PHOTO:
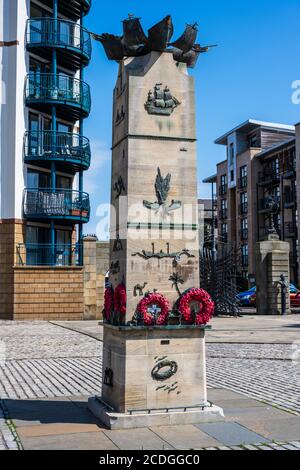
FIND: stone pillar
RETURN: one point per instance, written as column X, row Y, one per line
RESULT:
column 272, row 260
column 96, row 265
column 153, row 354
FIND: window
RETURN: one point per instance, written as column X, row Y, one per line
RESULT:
column 223, row 180
column 223, row 204
column 253, row 141
column 243, row 171
column 244, row 198
column 244, row 224
column 37, row 179
column 231, row 175
column 231, row 154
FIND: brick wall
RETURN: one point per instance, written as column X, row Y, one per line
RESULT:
column 96, row 264
column 48, row 293
column 11, row 233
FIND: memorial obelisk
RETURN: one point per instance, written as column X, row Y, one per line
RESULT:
column 155, row 312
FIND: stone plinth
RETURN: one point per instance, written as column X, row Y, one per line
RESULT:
column 272, row 260
column 139, row 395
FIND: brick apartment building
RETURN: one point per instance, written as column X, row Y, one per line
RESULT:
column 262, row 159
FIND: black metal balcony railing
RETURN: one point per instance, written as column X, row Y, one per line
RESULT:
column 48, row 146
column 223, row 189
column 289, row 199
column 245, row 261
column 224, row 237
column 243, row 208
column 290, row 229
column 71, row 96
column 268, row 176
column 223, row 214
column 243, row 182
column 56, row 204
column 70, row 8
column 72, row 41
column 30, row 254
column 244, row 234
column 264, row 203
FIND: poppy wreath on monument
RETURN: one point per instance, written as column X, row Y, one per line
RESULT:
column 154, row 309
column 196, row 306
column 120, row 299
column 108, row 303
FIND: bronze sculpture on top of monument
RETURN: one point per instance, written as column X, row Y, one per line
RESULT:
column 134, row 42
column 154, row 342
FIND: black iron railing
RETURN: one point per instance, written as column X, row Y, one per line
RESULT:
column 49, row 32
column 243, row 208
column 57, row 146
column 244, row 234
column 58, row 203
column 37, row 254
column 46, row 88
column 243, row 182
column 223, row 189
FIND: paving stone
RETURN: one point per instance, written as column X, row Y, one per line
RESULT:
column 82, row 441
column 278, row 430
column 57, row 429
column 184, row 437
column 137, row 439
column 231, row 433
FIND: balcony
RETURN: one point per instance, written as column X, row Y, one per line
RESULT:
column 290, row 230
column 264, row 204
column 289, row 169
column 71, row 96
column 289, row 199
column 60, row 204
column 60, row 147
column 268, row 177
column 72, row 42
column 244, row 234
column 70, row 8
column 222, row 189
column 224, row 237
column 243, row 208
column 47, row 255
column 223, row 214
column 243, row 182
column 245, row 261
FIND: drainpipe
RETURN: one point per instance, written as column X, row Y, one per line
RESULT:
column 214, row 251
column 54, row 125
column 80, row 178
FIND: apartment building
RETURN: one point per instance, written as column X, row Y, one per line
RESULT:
column 261, row 160
column 44, row 154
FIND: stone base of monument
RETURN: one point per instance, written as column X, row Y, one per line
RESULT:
column 154, row 376
column 142, row 419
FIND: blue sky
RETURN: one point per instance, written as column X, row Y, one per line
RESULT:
column 249, row 75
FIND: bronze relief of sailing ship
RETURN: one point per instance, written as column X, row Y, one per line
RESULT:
column 160, row 101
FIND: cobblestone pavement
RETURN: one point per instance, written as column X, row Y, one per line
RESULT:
column 43, row 360
column 294, row 445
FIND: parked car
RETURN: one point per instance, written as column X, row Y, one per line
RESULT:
column 244, row 297
column 294, row 297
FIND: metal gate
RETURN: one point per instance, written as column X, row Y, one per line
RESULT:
column 218, row 276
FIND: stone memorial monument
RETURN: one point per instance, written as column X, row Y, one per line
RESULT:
column 155, row 313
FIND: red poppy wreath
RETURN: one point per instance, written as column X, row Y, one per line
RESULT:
column 205, row 304
column 160, row 302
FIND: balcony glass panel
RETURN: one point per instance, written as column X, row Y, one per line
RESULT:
column 37, row 254
column 49, row 88
column 48, row 32
column 57, row 146
column 59, row 204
